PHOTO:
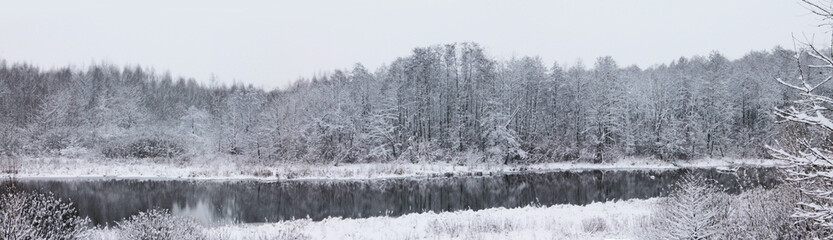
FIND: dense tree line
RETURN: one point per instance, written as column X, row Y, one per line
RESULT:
column 442, row 103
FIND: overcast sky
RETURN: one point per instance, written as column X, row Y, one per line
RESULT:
column 271, row 44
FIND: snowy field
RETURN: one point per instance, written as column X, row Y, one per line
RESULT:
column 221, row 168
column 610, row 220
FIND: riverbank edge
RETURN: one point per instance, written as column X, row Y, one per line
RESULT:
column 57, row 168
column 601, row 220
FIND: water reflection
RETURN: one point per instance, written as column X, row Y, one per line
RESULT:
column 107, row 201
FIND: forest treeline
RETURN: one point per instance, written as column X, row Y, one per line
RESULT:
column 442, row 103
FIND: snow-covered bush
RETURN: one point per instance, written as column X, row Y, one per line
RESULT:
column 75, row 152
column 159, row 224
column 695, row 209
column 469, row 229
column 767, row 214
column 25, row 215
column 143, row 148
column 500, row 141
column 53, row 141
column 593, row 225
column 425, row 151
column 698, row 210
column 329, row 140
column 287, row 230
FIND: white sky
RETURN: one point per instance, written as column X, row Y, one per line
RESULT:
column 271, row 44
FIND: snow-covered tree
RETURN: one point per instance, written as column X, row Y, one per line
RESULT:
column 695, row 209
column 713, row 105
column 577, row 99
column 242, row 108
column 606, row 112
column 194, row 125
column 811, row 158
column 500, row 141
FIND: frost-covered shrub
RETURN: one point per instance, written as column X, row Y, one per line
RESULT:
column 425, row 151
column 159, row 224
column 74, row 152
column 550, row 150
column 288, row 230
column 754, row 214
column 593, row 225
column 454, row 228
column 143, row 148
column 493, row 225
column 114, row 149
column 440, row 227
column 695, row 209
column 53, row 141
column 768, row 214
column 467, row 157
column 25, row 215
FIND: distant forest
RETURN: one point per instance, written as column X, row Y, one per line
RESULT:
column 442, row 103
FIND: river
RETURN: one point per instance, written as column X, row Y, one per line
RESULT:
column 108, row 201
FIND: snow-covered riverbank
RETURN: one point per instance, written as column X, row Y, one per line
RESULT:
column 234, row 169
column 618, row 220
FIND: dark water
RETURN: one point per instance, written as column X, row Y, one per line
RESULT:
column 107, row 201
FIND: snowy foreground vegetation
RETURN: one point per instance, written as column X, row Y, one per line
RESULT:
column 696, row 209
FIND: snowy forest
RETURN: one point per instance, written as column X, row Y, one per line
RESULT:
column 448, row 103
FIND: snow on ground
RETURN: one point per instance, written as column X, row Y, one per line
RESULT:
column 609, row 220
column 219, row 168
